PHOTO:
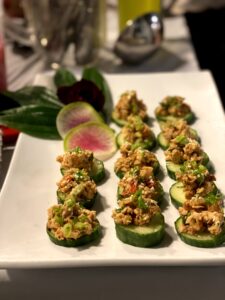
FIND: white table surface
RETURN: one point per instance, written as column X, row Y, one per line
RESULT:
column 115, row 282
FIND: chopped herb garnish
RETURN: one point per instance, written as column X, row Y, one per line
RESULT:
column 83, row 218
column 135, row 170
column 70, row 203
column 79, row 225
column 212, row 197
column 59, row 220
column 181, row 139
column 67, row 229
column 134, row 108
column 80, row 176
column 140, row 201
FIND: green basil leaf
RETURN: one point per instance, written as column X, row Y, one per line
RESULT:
column 34, row 95
column 64, row 77
column 35, row 120
column 95, row 76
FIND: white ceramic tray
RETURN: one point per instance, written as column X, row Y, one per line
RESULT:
column 30, row 187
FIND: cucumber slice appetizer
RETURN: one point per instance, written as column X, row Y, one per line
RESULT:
column 83, row 240
column 97, row 172
column 164, row 143
column 177, row 194
column 203, row 240
column 173, row 168
column 87, row 203
column 145, row 144
column 73, row 114
column 142, row 236
column 96, row 137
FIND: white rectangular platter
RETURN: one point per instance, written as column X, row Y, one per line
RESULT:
column 30, row 187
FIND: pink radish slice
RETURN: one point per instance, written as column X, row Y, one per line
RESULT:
column 75, row 114
column 93, row 136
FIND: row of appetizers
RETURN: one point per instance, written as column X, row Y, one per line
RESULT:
column 70, row 222
column 195, row 194
column 138, row 217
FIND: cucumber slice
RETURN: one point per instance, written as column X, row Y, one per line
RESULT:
column 87, row 203
column 120, row 174
column 83, row 240
column 177, row 194
column 190, row 117
column 145, row 144
column 119, row 122
column 97, row 171
column 164, row 143
column 173, row 168
column 203, row 240
column 122, row 122
column 96, row 137
column 142, row 236
column 73, row 114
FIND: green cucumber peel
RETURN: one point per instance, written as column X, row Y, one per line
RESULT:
column 142, row 236
column 83, row 240
column 202, row 240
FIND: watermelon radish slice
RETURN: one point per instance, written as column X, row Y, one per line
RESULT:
column 75, row 114
column 96, row 137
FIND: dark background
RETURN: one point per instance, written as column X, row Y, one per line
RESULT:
column 207, row 30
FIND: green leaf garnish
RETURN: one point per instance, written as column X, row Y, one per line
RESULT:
column 64, row 77
column 35, row 120
column 96, row 77
column 38, row 95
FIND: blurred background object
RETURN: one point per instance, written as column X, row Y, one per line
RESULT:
column 13, row 8
column 140, row 30
column 55, row 25
column 3, row 83
column 7, row 135
column 206, row 22
column 15, row 25
column 129, row 10
column 140, row 38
